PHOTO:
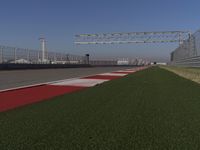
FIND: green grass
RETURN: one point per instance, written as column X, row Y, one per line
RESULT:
column 152, row 109
column 186, row 72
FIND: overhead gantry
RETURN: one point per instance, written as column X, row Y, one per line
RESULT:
column 133, row 37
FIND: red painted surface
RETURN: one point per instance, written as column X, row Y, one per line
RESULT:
column 21, row 97
column 102, row 77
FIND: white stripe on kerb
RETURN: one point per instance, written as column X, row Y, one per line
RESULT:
column 126, row 71
column 113, row 74
column 80, row 82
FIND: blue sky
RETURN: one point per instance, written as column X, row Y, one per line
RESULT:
column 23, row 21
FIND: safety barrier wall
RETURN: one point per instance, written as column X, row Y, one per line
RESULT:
column 188, row 53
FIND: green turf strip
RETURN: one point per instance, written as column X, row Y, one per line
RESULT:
column 186, row 72
column 151, row 109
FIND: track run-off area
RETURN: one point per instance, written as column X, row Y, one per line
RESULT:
column 21, row 96
column 148, row 109
column 17, row 78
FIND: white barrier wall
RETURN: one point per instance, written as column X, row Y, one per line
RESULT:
column 197, row 43
column 188, row 53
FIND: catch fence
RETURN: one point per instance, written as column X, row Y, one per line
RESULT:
column 29, row 56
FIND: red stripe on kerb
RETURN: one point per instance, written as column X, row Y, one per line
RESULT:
column 16, row 98
column 102, row 77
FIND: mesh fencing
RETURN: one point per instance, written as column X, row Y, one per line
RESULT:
column 29, row 56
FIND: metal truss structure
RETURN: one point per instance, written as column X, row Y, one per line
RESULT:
column 133, row 37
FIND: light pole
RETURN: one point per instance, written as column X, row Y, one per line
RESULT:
column 43, row 47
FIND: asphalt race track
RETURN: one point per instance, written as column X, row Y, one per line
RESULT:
column 17, row 78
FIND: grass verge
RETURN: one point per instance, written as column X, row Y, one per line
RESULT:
column 188, row 73
column 151, row 109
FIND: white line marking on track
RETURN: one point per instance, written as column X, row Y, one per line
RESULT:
column 22, row 87
column 126, row 71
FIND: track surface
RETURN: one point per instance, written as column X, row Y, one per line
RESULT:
column 12, row 79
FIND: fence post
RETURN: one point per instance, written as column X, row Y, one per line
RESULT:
column 87, row 57
column 1, row 55
column 47, row 56
column 15, row 55
column 38, row 55
column 28, row 55
column 61, row 57
column 55, row 57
